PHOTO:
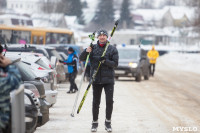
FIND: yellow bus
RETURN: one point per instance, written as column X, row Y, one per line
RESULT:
column 32, row 35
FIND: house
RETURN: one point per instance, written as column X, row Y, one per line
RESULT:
column 49, row 20
column 16, row 19
column 138, row 20
column 25, row 6
column 178, row 16
column 175, row 16
column 135, row 37
column 151, row 17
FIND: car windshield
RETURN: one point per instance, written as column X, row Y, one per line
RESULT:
column 63, row 55
column 42, row 63
column 25, row 71
column 128, row 54
column 53, row 52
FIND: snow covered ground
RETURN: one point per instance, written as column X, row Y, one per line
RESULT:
column 168, row 100
column 189, row 62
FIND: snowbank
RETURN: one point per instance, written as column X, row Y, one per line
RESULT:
column 189, row 62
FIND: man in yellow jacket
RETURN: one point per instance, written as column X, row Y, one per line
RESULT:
column 152, row 55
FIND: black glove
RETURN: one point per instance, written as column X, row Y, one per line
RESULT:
column 61, row 61
column 102, row 59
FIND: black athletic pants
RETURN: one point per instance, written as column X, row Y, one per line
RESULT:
column 72, row 77
column 97, row 90
column 152, row 66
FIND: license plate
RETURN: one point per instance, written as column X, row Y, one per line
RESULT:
column 119, row 72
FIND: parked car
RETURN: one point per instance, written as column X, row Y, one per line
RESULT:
column 29, row 77
column 64, row 57
column 46, row 76
column 133, row 62
column 31, row 111
column 53, row 53
column 40, row 65
column 64, row 47
column 49, row 52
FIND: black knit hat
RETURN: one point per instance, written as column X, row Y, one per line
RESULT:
column 70, row 49
column 100, row 32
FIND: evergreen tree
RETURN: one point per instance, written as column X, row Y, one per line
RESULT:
column 3, row 4
column 105, row 13
column 125, row 15
column 75, row 8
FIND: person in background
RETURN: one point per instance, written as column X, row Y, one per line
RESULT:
column 104, row 78
column 152, row 55
column 10, row 79
column 72, row 69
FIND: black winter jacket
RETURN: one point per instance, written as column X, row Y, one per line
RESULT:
column 106, row 73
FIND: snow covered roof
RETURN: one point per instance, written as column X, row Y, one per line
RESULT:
column 46, row 20
column 178, row 12
column 70, row 20
column 150, row 14
column 14, row 16
column 147, row 32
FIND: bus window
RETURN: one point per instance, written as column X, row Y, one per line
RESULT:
column 25, row 36
column 6, row 34
column 38, row 40
column 41, row 39
column 34, row 39
column 57, row 38
column 51, row 38
column 15, row 37
column 63, row 38
column 19, row 34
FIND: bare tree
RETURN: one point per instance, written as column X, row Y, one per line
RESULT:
column 49, row 6
column 147, row 4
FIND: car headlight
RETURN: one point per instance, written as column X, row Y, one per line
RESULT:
column 133, row 65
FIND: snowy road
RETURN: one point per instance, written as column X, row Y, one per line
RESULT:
column 168, row 100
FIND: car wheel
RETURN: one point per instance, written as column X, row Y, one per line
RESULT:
column 138, row 78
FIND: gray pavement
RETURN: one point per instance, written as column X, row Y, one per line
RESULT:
column 129, row 114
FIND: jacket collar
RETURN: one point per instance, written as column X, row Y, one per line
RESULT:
column 101, row 45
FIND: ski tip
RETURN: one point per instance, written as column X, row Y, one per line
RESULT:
column 72, row 115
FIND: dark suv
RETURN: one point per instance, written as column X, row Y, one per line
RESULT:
column 133, row 62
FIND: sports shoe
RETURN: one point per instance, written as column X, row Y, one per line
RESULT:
column 94, row 126
column 108, row 127
column 75, row 90
column 70, row 92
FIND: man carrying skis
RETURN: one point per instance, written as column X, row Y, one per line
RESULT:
column 72, row 69
column 104, row 78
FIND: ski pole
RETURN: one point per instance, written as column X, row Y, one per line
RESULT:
column 92, row 37
column 95, row 73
